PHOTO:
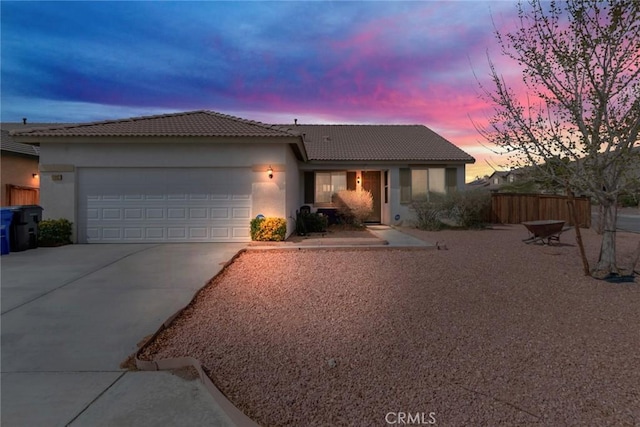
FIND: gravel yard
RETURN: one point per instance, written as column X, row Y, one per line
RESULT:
column 489, row 331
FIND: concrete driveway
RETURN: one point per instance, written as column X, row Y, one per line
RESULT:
column 71, row 315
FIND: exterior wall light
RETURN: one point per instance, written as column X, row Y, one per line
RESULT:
column 358, row 180
column 270, row 172
column 35, row 175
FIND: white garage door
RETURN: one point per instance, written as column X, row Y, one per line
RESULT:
column 164, row 205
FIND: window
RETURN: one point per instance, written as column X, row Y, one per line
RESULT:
column 329, row 183
column 420, row 183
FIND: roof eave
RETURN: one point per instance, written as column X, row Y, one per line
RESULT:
column 396, row 161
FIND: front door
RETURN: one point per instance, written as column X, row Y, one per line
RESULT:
column 371, row 183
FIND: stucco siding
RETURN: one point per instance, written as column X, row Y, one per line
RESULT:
column 292, row 185
column 58, row 197
column 159, row 155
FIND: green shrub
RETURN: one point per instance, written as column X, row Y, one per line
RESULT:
column 628, row 201
column 268, row 229
column 354, row 206
column 311, row 223
column 54, row 232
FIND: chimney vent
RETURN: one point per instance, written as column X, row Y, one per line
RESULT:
column 295, row 122
column 24, row 120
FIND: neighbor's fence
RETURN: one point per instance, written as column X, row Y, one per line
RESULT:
column 509, row 208
column 17, row 195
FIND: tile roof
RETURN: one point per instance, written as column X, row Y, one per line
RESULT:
column 322, row 142
column 378, row 142
column 192, row 123
column 8, row 144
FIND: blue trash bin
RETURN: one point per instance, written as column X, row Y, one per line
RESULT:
column 5, row 225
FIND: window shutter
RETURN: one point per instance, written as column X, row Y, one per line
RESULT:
column 405, row 185
column 351, row 180
column 309, row 187
column 451, row 180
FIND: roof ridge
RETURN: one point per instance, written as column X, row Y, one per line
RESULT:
column 281, row 128
column 359, row 124
column 262, row 125
column 107, row 122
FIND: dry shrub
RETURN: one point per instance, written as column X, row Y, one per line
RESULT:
column 354, row 206
column 464, row 209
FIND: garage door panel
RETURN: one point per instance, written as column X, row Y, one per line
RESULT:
column 241, row 213
column 168, row 205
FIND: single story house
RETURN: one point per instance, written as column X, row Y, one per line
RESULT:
column 202, row 175
column 19, row 166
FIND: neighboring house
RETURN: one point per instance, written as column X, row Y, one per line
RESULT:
column 19, row 165
column 498, row 178
column 201, row 175
column 478, row 183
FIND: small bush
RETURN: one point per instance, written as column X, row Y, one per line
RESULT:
column 311, row 223
column 354, row 206
column 54, row 232
column 628, row 201
column 268, row 229
column 428, row 213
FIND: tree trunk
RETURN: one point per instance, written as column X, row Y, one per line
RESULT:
column 574, row 216
column 607, row 261
column 600, row 224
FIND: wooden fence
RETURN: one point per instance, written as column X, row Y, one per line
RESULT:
column 509, row 208
column 17, row 195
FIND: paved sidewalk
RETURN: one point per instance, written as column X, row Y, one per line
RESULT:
column 71, row 315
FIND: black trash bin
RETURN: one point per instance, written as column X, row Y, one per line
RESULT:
column 24, row 227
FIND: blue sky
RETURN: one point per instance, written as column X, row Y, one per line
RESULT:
column 319, row 62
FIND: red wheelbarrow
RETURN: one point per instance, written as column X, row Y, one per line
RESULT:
column 544, row 231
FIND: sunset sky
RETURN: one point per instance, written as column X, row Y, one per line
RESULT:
column 319, row 62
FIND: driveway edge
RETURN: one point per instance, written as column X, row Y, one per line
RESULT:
column 236, row 416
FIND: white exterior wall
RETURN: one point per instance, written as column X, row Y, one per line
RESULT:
column 292, row 185
column 396, row 208
column 59, row 197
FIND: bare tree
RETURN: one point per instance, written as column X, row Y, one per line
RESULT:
column 581, row 113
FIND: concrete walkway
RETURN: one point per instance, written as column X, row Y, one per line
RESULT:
column 384, row 237
column 397, row 238
column 71, row 315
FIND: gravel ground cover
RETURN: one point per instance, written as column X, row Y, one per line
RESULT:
column 488, row 331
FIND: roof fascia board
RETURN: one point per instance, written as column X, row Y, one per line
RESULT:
column 19, row 154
